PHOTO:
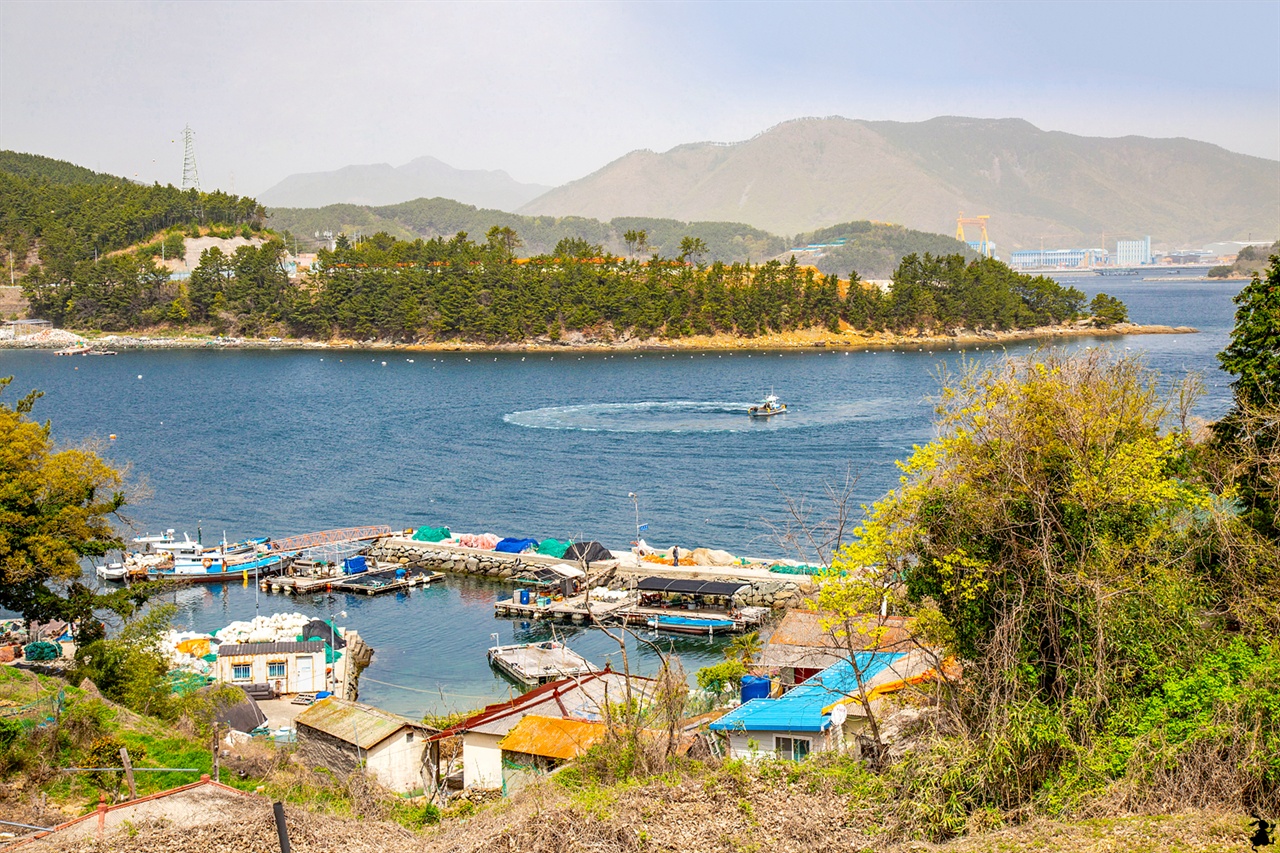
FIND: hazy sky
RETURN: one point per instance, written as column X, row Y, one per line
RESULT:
column 552, row 91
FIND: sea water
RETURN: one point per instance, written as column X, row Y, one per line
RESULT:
column 248, row 443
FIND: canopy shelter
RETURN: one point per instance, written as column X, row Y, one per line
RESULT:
column 587, row 552
column 687, row 586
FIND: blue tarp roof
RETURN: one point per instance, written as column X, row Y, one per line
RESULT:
column 800, row 709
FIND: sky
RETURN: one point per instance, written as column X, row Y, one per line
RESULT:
column 552, row 91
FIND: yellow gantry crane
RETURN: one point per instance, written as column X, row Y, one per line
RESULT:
column 984, row 246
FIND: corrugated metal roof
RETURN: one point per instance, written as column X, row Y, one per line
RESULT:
column 270, row 648
column 800, row 709
column 552, row 737
column 361, row 725
column 581, row 697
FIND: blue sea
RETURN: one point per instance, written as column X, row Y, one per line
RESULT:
column 276, row 443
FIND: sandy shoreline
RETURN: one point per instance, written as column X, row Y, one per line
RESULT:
column 798, row 340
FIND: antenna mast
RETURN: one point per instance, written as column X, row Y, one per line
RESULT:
column 190, row 175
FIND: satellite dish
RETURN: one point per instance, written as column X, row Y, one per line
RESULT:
column 839, row 714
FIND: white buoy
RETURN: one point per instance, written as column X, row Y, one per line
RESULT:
column 384, row 364
column 139, row 375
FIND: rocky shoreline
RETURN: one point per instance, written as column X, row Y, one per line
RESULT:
column 579, row 342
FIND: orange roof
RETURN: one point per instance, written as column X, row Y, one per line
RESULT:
column 552, row 737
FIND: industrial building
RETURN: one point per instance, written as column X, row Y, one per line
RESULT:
column 1058, row 259
column 1133, row 253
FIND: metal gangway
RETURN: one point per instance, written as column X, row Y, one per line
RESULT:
column 341, row 536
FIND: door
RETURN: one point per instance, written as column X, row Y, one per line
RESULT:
column 305, row 684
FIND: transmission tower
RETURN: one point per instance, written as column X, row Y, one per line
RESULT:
column 190, row 175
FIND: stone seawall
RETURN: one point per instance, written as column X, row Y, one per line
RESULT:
column 761, row 591
column 467, row 561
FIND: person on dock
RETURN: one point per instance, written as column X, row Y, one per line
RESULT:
column 675, row 555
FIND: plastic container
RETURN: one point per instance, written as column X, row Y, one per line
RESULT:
column 524, row 596
column 755, row 687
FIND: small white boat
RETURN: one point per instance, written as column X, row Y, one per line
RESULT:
column 768, row 407
column 112, row 572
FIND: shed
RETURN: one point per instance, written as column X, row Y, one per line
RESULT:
column 284, row 667
column 539, row 744
column 581, row 698
column 341, row 735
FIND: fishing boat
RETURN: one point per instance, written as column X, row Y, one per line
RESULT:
column 112, row 572
column 212, row 566
column 692, row 624
column 768, row 407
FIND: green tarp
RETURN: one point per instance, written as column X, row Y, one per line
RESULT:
column 553, row 548
column 432, row 534
column 780, row 569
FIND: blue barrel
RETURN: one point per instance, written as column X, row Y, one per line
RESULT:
column 400, row 573
column 755, row 687
column 524, row 596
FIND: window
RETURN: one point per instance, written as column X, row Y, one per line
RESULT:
column 408, row 736
column 793, row 748
column 241, row 672
column 275, row 669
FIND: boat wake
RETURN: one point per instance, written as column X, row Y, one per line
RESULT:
column 684, row 416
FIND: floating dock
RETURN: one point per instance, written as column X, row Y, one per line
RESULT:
column 376, row 584
column 532, row 664
column 578, row 609
column 334, row 580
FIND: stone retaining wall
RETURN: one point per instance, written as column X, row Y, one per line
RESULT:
column 427, row 556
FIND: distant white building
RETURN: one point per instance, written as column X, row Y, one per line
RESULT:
column 1133, row 253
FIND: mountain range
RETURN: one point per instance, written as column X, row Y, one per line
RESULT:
column 1035, row 185
column 382, row 184
column 1039, row 188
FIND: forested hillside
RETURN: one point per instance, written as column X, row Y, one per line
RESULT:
column 468, row 291
column 440, row 217
column 66, row 228
column 874, row 249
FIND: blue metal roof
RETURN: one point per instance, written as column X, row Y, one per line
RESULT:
column 800, row 709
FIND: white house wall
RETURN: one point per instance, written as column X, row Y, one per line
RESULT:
column 481, row 760
column 754, row 745
column 396, row 762
column 291, row 683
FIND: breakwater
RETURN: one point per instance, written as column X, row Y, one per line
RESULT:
column 763, row 588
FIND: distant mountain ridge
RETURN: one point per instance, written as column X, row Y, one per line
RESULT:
column 1036, row 185
column 382, row 184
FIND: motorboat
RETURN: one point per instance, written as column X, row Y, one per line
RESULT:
column 768, row 407
column 691, row 624
column 112, row 572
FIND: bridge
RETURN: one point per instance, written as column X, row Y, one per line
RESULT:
column 330, row 537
